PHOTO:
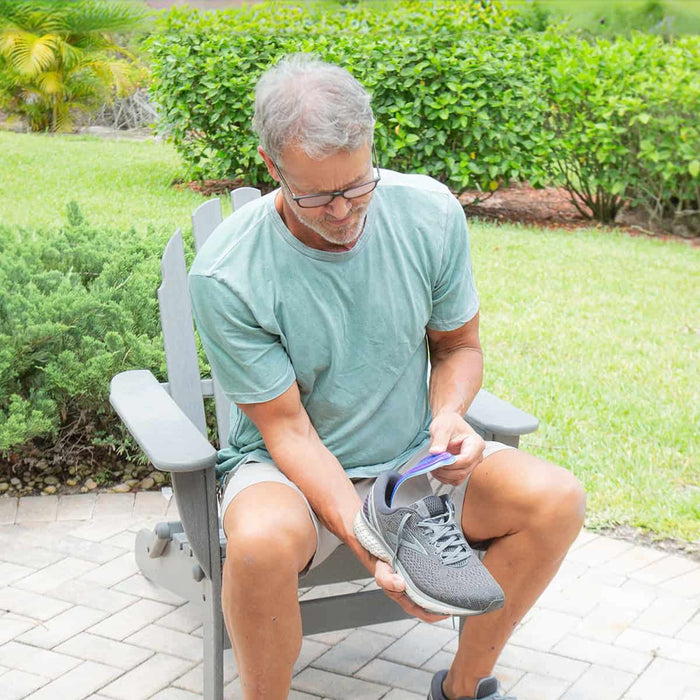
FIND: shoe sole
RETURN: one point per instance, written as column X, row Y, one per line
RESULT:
column 374, row 543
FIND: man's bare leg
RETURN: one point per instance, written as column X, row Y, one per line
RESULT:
column 271, row 538
column 535, row 510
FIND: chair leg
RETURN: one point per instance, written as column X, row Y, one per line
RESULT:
column 213, row 641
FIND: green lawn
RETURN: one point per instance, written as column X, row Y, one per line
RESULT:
column 596, row 333
column 117, row 183
column 617, row 15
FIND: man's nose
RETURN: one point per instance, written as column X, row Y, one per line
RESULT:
column 339, row 207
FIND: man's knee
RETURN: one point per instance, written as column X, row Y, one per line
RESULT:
column 269, row 532
column 560, row 503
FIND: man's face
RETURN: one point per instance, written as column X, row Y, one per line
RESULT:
column 341, row 221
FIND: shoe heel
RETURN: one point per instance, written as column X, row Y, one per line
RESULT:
column 368, row 539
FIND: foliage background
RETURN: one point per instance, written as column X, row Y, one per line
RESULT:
column 474, row 95
column 60, row 57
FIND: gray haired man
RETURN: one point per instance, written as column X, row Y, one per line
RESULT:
column 319, row 306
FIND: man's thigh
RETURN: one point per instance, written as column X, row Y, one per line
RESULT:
column 509, row 491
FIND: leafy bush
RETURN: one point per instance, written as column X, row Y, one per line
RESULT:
column 465, row 92
column 665, row 139
column 77, row 305
column 624, row 119
column 453, row 87
column 57, row 57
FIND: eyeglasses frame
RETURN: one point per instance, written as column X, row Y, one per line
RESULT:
column 339, row 193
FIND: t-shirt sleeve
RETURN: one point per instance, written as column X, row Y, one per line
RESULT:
column 249, row 362
column 455, row 299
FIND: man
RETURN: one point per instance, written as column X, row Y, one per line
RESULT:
column 317, row 306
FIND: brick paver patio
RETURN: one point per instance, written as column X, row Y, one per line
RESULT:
column 77, row 620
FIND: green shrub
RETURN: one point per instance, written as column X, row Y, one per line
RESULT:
column 77, row 305
column 665, row 138
column 453, row 87
column 624, row 119
column 464, row 92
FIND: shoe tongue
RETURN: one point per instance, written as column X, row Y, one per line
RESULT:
column 430, row 506
column 485, row 687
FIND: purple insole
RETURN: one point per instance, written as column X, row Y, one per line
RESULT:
column 427, row 464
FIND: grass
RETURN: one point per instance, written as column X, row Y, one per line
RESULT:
column 596, row 333
column 118, row 184
column 606, row 17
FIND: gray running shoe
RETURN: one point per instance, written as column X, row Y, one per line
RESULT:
column 425, row 545
column 486, row 689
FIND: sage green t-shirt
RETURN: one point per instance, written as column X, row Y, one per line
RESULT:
column 348, row 327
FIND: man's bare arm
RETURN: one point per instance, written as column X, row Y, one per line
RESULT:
column 457, row 367
column 456, row 373
column 298, row 452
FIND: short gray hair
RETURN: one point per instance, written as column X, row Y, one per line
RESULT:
column 316, row 106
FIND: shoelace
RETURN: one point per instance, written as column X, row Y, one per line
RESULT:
column 443, row 534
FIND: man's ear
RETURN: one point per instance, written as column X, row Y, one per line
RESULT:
column 270, row 165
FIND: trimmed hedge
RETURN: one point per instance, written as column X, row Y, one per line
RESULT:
column 462, row 91
column 453, row 88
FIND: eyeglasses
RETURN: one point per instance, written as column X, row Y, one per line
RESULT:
column 321, row 199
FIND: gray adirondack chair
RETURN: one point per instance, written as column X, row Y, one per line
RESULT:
column 168, row 422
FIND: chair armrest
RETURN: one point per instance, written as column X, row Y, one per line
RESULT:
column 167, row 436
column 493, row 415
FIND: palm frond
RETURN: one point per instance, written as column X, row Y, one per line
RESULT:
column 32, row 16
column 61, row 117
column 28, row 53
column 60, row 55
column 97, row 16
column 87, row 86
column 114, row 72
column 71, row 56
column 51, row 83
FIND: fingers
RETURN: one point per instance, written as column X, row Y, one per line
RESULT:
column 473, row 448
column 387, row 580
column 452, row 477
column 471, row 454
column 394, row 586
column 449, row 432
column 440, row 438
column 446, row 430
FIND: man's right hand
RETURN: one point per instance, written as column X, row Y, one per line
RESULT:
column 394, row 586
column 391, row 582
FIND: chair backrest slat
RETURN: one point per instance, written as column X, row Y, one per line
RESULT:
column 242, row 196
column 176, row 318
column 178, row 333
column 205, row 219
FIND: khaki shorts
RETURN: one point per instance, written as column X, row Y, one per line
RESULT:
column 251, row 473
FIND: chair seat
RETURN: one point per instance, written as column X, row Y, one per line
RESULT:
column 167, row 546
column 165, row 557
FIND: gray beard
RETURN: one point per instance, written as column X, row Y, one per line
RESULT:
column 343, row 236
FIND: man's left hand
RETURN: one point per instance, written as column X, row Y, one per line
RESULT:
column 449, row 432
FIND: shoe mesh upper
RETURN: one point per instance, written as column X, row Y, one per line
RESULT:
column 470, row 586
column 467, row 583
